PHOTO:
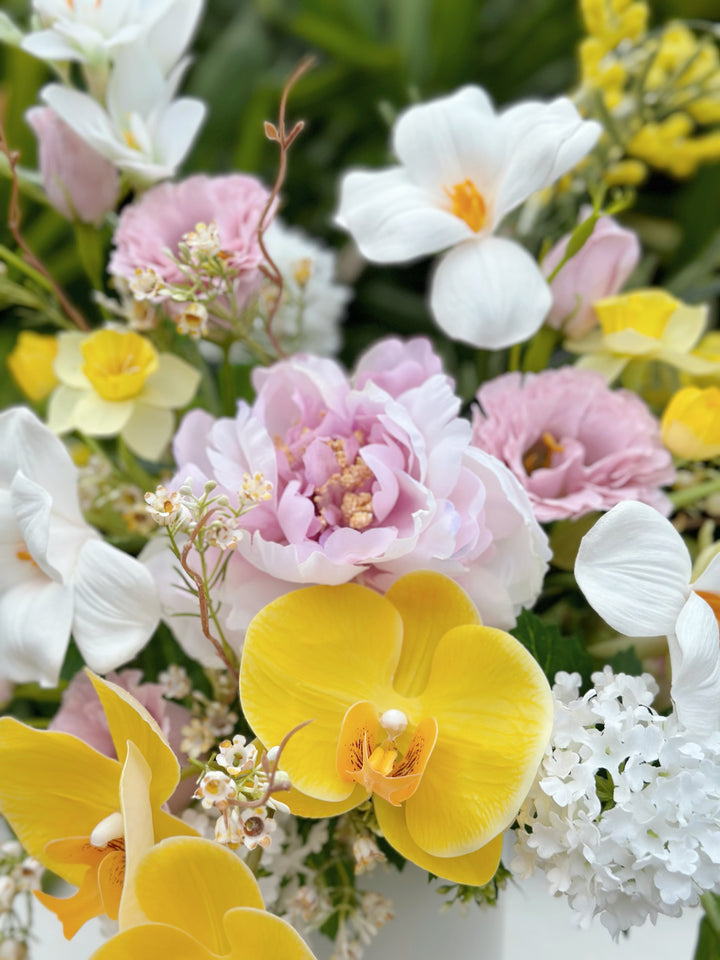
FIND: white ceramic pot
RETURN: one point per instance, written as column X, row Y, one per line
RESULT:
column 420, row 929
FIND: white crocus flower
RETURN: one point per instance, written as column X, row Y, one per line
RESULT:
column 463, row 169
column 57, row 575
column 93, row 31
column 636, row 572
column 143, row 130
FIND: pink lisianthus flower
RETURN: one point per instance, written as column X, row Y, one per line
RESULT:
column 82, row 715
column 162, row 216
column 79, row 182
column 599, row 269
column 373, row 476
column 574, row 444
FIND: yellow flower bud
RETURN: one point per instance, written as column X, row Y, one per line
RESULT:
column 31, row 364
column 626, row 173
column 691, row 423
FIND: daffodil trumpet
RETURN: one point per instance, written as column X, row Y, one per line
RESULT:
column 86, row 817
column 440, row 720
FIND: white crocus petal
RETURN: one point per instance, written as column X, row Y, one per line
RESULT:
column 393, row 220
column 172, row 385
column 35, row 620
column 170, row 35
column 544, row 141
column 116, row 606
column 32, row 506
column 634, row 570
column 695, row 660
column 136, row 84
column 148, row 431
column 86, row 117
column 50, row 45
column 177, row 129
column 489, row 293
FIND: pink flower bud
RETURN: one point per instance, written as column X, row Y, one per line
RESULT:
column 599, row 269
column 79, row 182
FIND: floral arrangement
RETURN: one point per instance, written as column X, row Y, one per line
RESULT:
column 296, row 590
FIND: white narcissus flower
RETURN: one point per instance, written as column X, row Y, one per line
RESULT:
column 115, row 382
column 143, row 130
column 57, row 575
column 636, row 572
column 463, row 169
column 93, row 31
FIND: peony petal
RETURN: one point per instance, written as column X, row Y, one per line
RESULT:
column 310, row 655
column 148, row 431
column 473, row 869
column 79, row 789
column 430, row 605
column 494, row 711
column 695, row 662
column 634, row 570
column 173, row 384
column 392, row 220
column 116, row 606
column 35, row 620
column 489, row 293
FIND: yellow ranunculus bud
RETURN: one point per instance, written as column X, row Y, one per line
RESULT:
column 31, row 364
column 691, row 423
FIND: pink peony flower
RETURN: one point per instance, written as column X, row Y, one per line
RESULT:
column 574, row 444
column 163, row 215
column 82, row 715
column 600, row 269
column 373, row 476
column 79, row 183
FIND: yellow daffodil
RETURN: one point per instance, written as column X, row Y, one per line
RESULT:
column 201, row 902
column 643, row 325
column 115, row 382
column 86, row 817
column 30, row 363
column 413, row 702
column 691, row 423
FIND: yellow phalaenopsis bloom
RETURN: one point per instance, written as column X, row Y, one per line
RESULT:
column 641, row 326
column 200, row 902
column 86, row 817
column 441, row 720
column 30, row 363
column 691, row 423
column 115, row 382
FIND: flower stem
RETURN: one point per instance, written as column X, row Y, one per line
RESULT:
column 684, row 498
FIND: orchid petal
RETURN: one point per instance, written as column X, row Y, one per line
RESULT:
column 137, row 815
column 695, row 661
column 35, row 621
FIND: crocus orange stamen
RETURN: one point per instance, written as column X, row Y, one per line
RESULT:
column 468, row 204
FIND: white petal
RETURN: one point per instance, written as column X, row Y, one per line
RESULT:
column 489, row 293
column 116, row 606
column 136, row 85
column 171, row 34
column 173, row 384
column 545, row 140
column 69, row 360
column 85, row 116
column 177, row 130
column 709, row 579
column 101, row 418
column 35, row 620
column 392, row 220
column 61, row 408
column 695, row 660
column 148, row 431
column 49, row 45
column 634, row 570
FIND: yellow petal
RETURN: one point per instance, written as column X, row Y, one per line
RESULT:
column 152, row 941
column 474, row 869
column 257, row 934
column 111, row 875
column 430, row 604
column 76, row 785
column 494, row 711
column 191, row 883
column 303, row 806
column 148, row 431
column 130, row 721
column 310, row 655
column 138, row 827
column 172, row 385
column 73, row 912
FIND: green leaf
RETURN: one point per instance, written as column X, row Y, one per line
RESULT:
column 708, row 944
column 626, row 661
column 551, row 650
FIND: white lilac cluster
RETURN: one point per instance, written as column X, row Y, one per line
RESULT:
column 19, row 874
column 622, row 817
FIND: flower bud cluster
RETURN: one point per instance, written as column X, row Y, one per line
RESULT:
column 19, row 875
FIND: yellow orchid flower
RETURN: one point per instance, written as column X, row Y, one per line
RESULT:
column 441, row 720
column 86, row 817
column 202, row 903
column 643, row 325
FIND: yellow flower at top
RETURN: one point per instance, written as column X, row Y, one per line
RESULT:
column 690, row 425
column 200, row 902
column 86, row 817
column 641, row 326
column 413, row 702
column 612, row 21
column 30, row 363
column 115, row 382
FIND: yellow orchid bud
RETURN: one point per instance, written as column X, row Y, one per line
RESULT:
column 691, row 423
column 31, row 364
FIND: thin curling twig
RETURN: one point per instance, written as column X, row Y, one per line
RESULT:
column 271, row 772
column 284, row 140
column 203, row 597
column 15, row 222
